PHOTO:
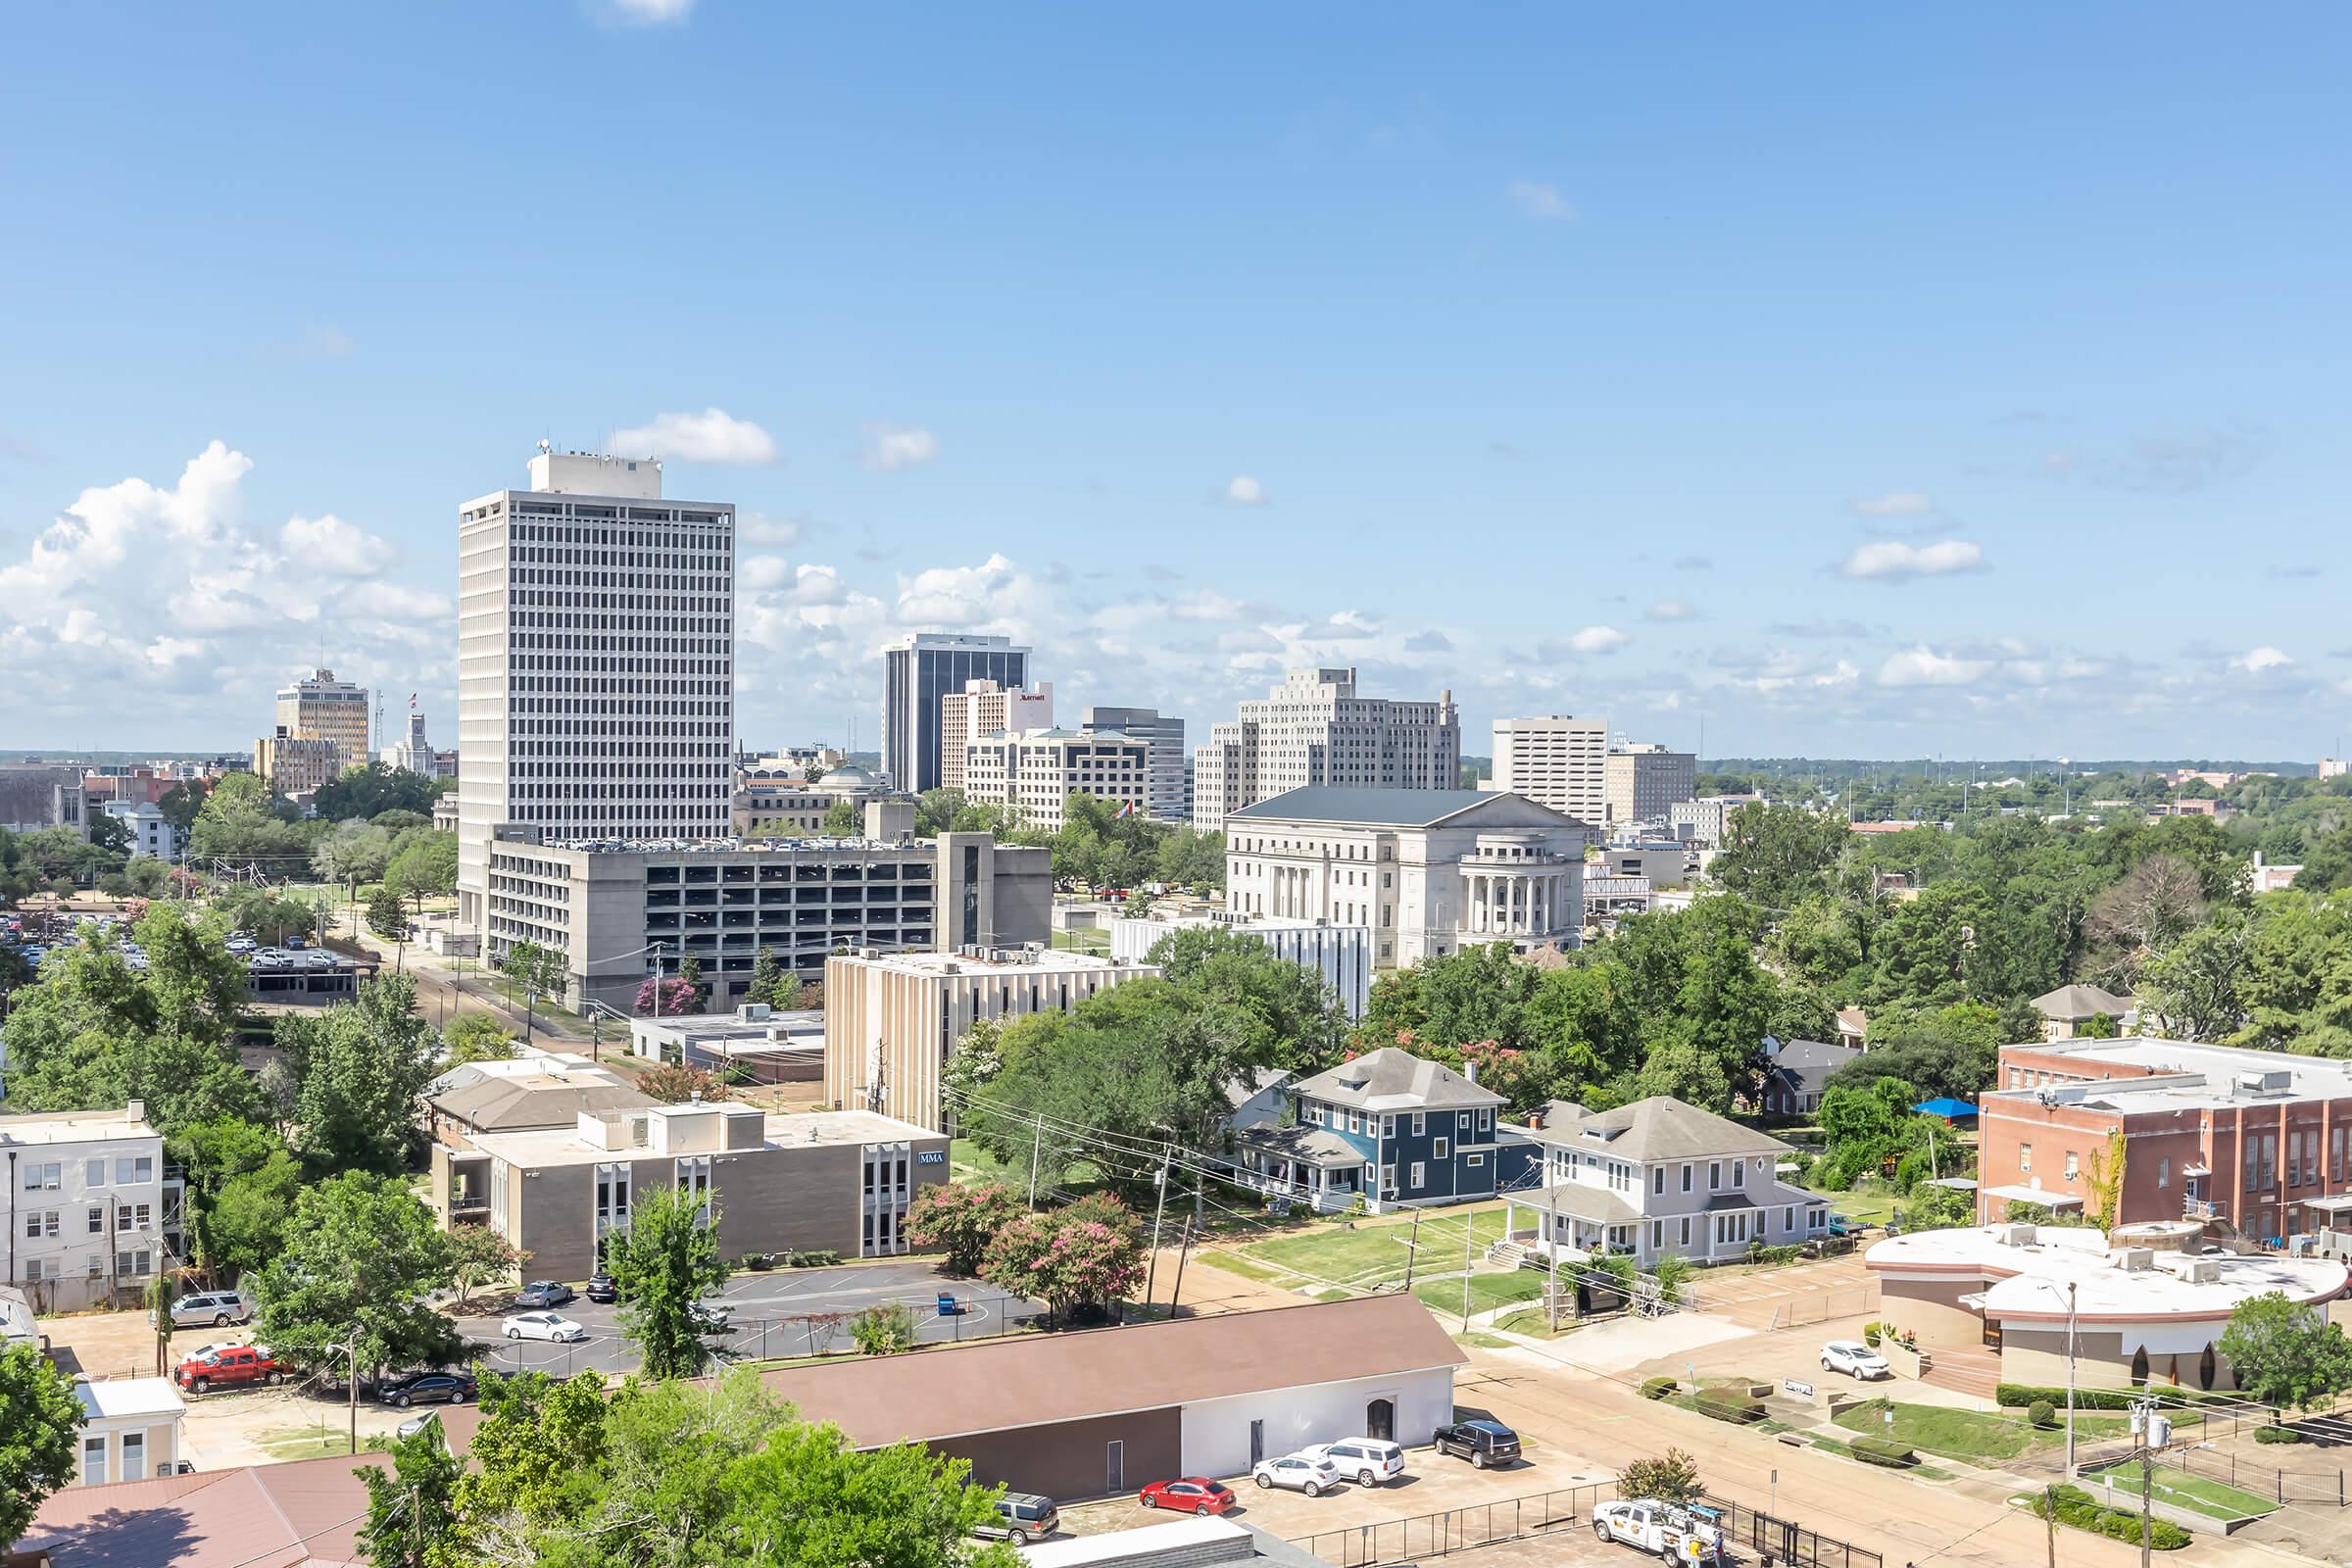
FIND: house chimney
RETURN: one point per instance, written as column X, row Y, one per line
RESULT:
column 694, row 1097
column 1470, row 1070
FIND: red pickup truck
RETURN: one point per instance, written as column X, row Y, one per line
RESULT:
column 229, row 1366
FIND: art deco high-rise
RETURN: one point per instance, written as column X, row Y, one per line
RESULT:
column 1314, row 729
column 1556, row 761
column 596, row 663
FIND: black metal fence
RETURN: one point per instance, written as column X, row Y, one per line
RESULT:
column 1486, row 1524
column 2263, row 1480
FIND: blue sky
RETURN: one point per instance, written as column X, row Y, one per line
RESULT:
column 1869, row 383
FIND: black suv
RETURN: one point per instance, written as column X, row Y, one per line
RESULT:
column 425, row 1387
column 1023, row 1516
column 1482, row 1443
column 601, row 1287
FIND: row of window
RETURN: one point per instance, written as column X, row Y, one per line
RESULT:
column 47, row 1223
column 133, row 1264
column 1316, row 1114
column 1417, row 1171
column 49, row 1176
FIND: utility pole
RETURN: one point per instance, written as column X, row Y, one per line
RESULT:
column 1469, row 1236
column 1183, row 1247
column 354, row 1349
column 1412, row 1249
column 1158, row 1212
column 2071, row 1475
column 1037, row 1145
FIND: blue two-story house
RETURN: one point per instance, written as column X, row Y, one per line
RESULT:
column 1392, row 1127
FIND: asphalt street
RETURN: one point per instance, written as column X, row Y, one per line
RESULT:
column 778, row 1313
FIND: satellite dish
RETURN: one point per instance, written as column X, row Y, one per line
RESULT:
column 544, row 447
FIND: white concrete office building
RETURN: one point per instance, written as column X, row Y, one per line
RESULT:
column 1554, row 760
column 1340, row 955
column 917, row 674
column 1642, row 783
column 1314, row 731
column 596, row 663
column 1431, row 871
column 1036, row 771
column 93, row 1212
column 1167, row 771
column 982, row 709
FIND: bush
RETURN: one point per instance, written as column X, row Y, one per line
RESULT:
column 1658, row 1388
column 1730, row 1404
column 2082, row 1511
column 815, row 1257
column 1883, row 1450
column 2041, row 1412
column 1871, row 1335
column 2276, row 1434
column 2022, row 1395
column 758, row 1262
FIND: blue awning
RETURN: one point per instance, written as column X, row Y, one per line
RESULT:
column 1946, row 1107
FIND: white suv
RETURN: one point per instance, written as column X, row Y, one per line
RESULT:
column 1855, row 1359
column 1367, row 1461
column 1298, row 1471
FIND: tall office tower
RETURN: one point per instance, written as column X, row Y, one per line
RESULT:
column 918, row 671
column 1167, row 772
column 324, row 709
column 1554, row 761
column 984, row 708
column 1642, row 781
column 596, row 664
column 1313, row 729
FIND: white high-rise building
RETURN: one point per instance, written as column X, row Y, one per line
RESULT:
column 596, row 664
column 984, row 708
column 1036, row 771
column 1555, row 760
column 917, row 674
column 1313, row 729
column 1167, row 772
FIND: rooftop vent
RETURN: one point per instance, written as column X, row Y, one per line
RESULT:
column 2266, row 1081
column 2193, row 1269
column 2133, row 1259
column 2015, row 1235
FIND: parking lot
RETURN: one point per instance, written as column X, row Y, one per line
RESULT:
column 784, row 1312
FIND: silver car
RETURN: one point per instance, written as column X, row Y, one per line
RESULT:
column 213, row 1308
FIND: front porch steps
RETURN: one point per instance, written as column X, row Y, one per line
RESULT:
column 1507, row 1254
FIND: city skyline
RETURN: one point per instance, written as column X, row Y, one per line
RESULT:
column 1697, row 414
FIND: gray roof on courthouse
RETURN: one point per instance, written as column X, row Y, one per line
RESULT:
column 1376, row 807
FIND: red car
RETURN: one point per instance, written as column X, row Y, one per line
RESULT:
column 1190, row 1495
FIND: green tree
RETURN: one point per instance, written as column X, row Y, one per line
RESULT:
column 361, row 1255
column 411, row 1517
column 1778, row 855
column 244, row 1224
column 540, row 971
column 475, row 1037
column 1938, row 1208
column 961, row 1220
column 182, row 801
column 40, row 1422
column 1083, row 1256
column 2192, row 989
column 840, row 821
column 373, row 788
column 478, row 1254
column 240, row 821
column 767, row 973
column 388, row 918
column 536, row 1452
column 884, row 1328
column 360, row 1066
column 423, row 866
column 806, row 1496
column 663, row 1266
column 690, row 975
column 2284, row 1354
column 354, row 853
column 936, row 812
column 1673, row 1477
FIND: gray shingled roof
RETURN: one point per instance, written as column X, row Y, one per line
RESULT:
column 1394, row 1079
column 1317, row 1146
column 1815, row 1054
column 1659, row 1128
column 2077, row 1003
column 1327, row 803
column 516, row 1104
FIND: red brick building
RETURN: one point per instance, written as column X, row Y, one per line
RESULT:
column 2251, row 1142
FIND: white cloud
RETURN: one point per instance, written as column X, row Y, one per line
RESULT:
column 758, row 529
column 1599, row 640
column 1924, row 666
column 889, row 447
column 710, row 436
column 649, row 13
column 2254, row 661
column 1894, row 503
column 334, row 548
column 1670, row 609
column 1243, row 491
column 763, row 572
column 1536, row 198
column 1892, row 560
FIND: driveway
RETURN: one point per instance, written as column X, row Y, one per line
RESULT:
column 784, row 1312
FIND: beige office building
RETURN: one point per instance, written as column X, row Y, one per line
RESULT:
column 596, row 664
column 985, row 708
column 1644, row 783
column 1313, row 729
column 324, row 709
column 1035, row 772
column 892, row 1020
column 1556, row 761
column 292, row 764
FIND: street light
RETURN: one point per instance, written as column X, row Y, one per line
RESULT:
column 2070, row 1372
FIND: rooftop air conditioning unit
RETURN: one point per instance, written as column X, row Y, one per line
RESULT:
column 2015, row 1235
column 751, row 1013
column 2133, row 1259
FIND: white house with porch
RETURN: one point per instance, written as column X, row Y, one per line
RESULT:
column 1653, row 1178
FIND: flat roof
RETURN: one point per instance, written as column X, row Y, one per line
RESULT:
column 2325, row 1076
column 1043, row 1378
column 2029, row 1283
column 116, row 1398
column 1063, row 960
column 806, row 1129
column 725, row 1025
column 70, row 1127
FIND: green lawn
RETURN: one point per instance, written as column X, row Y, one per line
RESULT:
column 1083, row 941
column 2215, row 1499
column 1971, row 1433
column 1487, row 1290
column 1373, row 1252
column 282, row 1444
column 1533, row 1324
column 1482, row 1342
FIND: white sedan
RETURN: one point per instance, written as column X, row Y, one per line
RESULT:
column 543, row 1326
column 1298, row 1472
column 1854, row 1359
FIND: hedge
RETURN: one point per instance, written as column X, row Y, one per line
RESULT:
column 2276, row 1434
column 1737, row 1408
column 2023, row 1396
column 1883, row 1450
column 815, row 1257
column 1658, row 1388
column 2082, row 1511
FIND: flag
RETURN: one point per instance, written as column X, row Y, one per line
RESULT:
column 412, row 699
column 1126, row 809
